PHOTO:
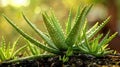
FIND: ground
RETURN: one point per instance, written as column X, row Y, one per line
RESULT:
column 80, row 60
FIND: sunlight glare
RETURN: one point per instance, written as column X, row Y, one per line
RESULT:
column 19, row 3
column 4, row 3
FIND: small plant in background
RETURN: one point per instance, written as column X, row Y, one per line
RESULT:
column 34, row 50
column 76, row 39
column 9, row 51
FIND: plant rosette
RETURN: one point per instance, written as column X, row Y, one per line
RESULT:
column 76, row 46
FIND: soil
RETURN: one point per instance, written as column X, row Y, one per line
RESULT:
column 81, row 60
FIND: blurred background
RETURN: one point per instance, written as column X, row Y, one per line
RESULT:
column 32, row 9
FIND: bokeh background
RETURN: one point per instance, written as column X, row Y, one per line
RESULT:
column 32, row 9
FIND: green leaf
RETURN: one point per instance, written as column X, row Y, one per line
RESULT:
column 57, row 26
column 102, row 42
column 31, row 48
column 7, row 51
column 83, row 49
column 43, row 36
column 86, row 40
column 29, row 38
column 69, row 52
column 90, row 31
column 69, row 23
column 73, row 35
column 3, row 43
column 93, row 32
column 105, row 40
column 13, row 47
column 18, row 50
column 54, row 34
column 2, row 55
column 95, row 43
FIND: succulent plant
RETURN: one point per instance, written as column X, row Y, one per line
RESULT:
column 9, row 51
column 76, row 39
column 34, row 50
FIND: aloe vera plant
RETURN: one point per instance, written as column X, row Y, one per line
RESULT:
column 8, row 51
column 34, row 50
column 77, row 37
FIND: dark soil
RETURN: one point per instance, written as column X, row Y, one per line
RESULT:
column 74, row 61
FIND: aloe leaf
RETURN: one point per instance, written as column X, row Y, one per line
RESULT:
column 31, row 49
column 43, row 36
column 29, row 38
column 3, row 43
column 108, row 52
column 37, row 51
column 111, row 37
column 102, row 42
column 96, row 43
column 92, row 29
column 54, row 34
column 57, row 26
column 18, row 50
column 103, row 51
column 69, row 52
column 82, row 32
column 86, row 41
column 98, row 28
column 73, row 35
column 84, row 46
column 2, row 55
column 104, row 47
column 84, row 36
column 106, row 39
column 13, row 46
column 8, row 50
column 69, row 23
column 77, row 14
column 83, row 50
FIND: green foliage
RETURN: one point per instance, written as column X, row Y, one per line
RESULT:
column 77, row 38
column 64, row 59
column 31, row 39
column 8, row 51
column 54, row 32
column 97, row 47
column 34, row 50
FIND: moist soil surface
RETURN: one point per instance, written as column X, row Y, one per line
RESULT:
column 80, row 60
